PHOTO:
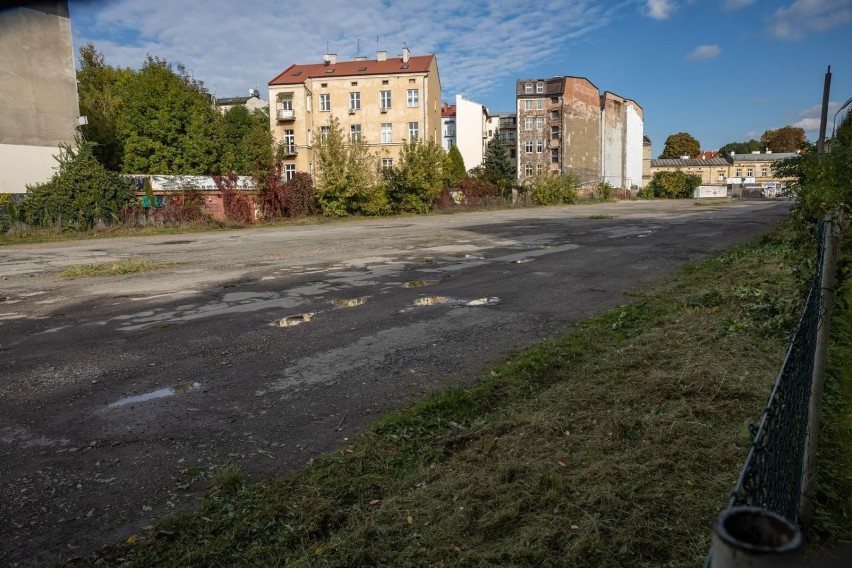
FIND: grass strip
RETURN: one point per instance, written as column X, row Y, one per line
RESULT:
column 612, row 445
column 113, row 268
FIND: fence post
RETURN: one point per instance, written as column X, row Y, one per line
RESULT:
column 755, row 538
column 829, row 258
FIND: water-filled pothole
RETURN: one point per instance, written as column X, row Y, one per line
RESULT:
column 431, row 300
column 455, row 302
column 419, row 283
column 523, row 260
column 291, row 321
column 159, row 393
column 349, row 302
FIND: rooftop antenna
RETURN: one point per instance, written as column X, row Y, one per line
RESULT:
column 358, row 50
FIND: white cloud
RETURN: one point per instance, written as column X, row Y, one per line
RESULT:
column 232, row 46
column 809, row 119
column 705, row 52
column 737, row 4
column 805, row 16
column 660, row 9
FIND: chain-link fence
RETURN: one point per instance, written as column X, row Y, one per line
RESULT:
column 772, row 475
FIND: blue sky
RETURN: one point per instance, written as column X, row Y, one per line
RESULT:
column 722, row 70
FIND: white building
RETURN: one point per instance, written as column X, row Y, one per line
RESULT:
column 448, row 126
column 471, row 134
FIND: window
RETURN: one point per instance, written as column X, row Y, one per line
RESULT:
column 528, row 87
column 289, row 171
column 325, row 102
column 385, row 99
column 413, row 98
column 413, row 131
column 324, row 130
column 554, row 115
column 554, row 133
column 720, row 176
column 764, row 172
column 528, row 146
column 539, row 122
column 289, row 141
column 354, row 83
column 539, row 87
column 739, row 172
column 412, row 80
column 528, row 170
column 528, row 123
column 528, row 104
column 512, row 153
column 286, row 101
column 354, row 100
column 749, row 172
column 387, row 162
column 384, row 81
column 554, row 155
column 387, row 133
column 539, row 104
column 538, row 169
column 355, row 133
column 539, row 146
column 323, row 85
column 554, row 100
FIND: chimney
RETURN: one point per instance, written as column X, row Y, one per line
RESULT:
column 684, row 157
column 381, row 56
column 329, row 58
column 406, row 54
column 768, row 151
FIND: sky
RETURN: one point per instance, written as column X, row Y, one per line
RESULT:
column 721, row 70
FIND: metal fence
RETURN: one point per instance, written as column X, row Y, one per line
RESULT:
column 772, row 475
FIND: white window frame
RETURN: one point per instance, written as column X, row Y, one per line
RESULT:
column 539, row 105
column 385, row 99
column 528, row 88
column 387, row 133
column 539, row 88
column 528, row 104
column 325, row 102
column 289, row 171
column 749, row 172
column 539, row 122
column 355, row 133
column 528, row 170
column 387, row 162
column 413, row 130
column 539, row 169
column 539, row 146
column 528, row 123
column 324, row 132
column 413, row 98
column 355, row 100
column 528, row 146
column 764, row 172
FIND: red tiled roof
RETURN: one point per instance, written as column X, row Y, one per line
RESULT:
column 296, row 74
column 448, row 110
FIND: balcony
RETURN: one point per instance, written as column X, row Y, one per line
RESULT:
column 289, row 150
column 285, row 114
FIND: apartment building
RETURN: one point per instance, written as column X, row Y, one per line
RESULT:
column 566, row 125
column 505, row 126
column 38, row 87
column 384, row 102
column 736, row 172
column 448, row 126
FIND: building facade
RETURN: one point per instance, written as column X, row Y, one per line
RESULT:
column 448, row 126
column 470, row 126
column 505, row 126
column 564, row 124
column 38, row 87
column 738, row 173
column 252, row 102
column 384, row 102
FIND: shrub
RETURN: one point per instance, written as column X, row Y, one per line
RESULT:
column 237, row 204
column 298, row 199
column 554, row 190
column 415, row 184
column 605, row 191
column 674, row 185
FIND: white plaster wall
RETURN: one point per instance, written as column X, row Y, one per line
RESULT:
column 612, row 150
column 469, row 131
column 635, row 126
column 21, row 165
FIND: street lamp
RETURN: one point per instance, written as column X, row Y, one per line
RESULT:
column 834, row 121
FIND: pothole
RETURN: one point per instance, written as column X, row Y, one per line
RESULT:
column 350, row 302
column 291, row 321
column 523, row 260
column 159, row 393
column 465, row 255
column 419, row 283
column 491, row 301
column 431, row 301
column 455, row 302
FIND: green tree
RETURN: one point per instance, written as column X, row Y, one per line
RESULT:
column 673, row 185
column 81, row 194
column 167, row 123
column 245, row 141
column 785, row 139
column 415, row 183
column 496, row 166
column 455, row 170
column 681, row 144
column 554, row 190
column 740, row 147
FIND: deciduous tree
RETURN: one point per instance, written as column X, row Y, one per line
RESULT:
column 785, row 139
column 681, row 144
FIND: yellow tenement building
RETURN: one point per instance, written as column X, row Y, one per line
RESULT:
column 384, row 101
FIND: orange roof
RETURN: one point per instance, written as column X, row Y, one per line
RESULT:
column 448, row 110
column 296, row 74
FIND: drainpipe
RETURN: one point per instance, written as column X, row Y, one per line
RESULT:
column 751, row 537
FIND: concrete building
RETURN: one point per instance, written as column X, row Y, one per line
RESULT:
column 448, row 126
column 646, row 160
column 251, row 102
column 38, row 87
column 470, row 127
column 566, row 125
column 384, row 102
column 504, row 125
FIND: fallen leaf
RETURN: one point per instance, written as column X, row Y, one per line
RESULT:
column 457, row 550
column 131, row 540
column 561, row 463
column 410, row 520
column 574, row 527
column 374, row 502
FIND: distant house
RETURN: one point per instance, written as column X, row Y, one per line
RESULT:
column 505, row 125
column 251, row 102
column 448, row 126
column 38, row 87
column 468, row 121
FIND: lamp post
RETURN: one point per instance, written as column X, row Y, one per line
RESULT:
column 834, row 120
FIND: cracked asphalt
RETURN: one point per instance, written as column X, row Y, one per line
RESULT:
column 121, row 396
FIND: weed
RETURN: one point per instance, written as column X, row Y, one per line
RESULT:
column 114, row 268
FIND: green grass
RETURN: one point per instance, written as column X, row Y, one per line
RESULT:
column 612, row 445
column 114, row 268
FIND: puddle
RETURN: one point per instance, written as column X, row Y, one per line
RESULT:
column 350, row 302
column 464, row 255
column 160, row 393
column 419, row 283
column 455, row 302
column 291, row 321
column 523, row 260
column 176, row 242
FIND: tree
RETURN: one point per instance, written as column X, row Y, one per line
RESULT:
column 496, row 168
column 554, row 190
column 673, row 185
column 455, row 170
column 785, row 139
column 415, row 183
column 681, row 144
column 740, row 147
column 81, row 194
column 245, row 140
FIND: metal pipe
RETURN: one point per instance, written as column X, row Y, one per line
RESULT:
column 755, row 538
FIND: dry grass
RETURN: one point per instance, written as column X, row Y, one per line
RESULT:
column 613, row 445
column 114, row 268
